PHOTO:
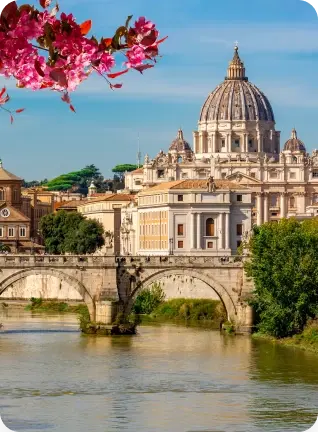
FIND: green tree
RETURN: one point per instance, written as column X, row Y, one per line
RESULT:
column 284, row 266
column 65, row 232
column 119, row 170
column 76, row 180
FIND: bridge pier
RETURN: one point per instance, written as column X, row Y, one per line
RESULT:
column 106, row 311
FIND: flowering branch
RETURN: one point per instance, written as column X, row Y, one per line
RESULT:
column 48, row 50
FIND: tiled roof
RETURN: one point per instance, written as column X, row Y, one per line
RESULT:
column 194, row 185
column 110, row 197
column 6, row 175
column 137, row 171
column 69, row 204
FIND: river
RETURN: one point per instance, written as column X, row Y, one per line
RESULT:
column 167, row 378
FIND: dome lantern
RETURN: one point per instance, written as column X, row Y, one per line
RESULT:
column 236, row 69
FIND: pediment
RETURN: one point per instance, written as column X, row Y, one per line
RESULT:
column 243, row 179
column 11, row 214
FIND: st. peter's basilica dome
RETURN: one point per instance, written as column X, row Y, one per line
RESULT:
column 294, row 144
column 236, row 98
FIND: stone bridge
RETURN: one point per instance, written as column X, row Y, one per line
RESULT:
column 108, row 284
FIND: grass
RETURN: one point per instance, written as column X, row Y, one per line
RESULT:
column 307, row 340
column 188, row 311
column 40, row 305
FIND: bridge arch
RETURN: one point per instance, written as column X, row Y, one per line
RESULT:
column 75, row 283
column 218, row 288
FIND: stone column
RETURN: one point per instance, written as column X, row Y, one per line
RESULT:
column 213, row 137
column 259, row 142
column 227, row 231
column 266, row 209
column 245, row 143
column 199, row 231
column 301, row 202
column 192, row 231
column 228, row 143
column 201, row 140
column 221, row 231
column 259, row 207
column 196, row 142
column 283, row 204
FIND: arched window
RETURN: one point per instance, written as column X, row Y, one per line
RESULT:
column 2, row 198
column 209, row 227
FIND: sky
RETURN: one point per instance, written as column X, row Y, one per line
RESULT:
column 278, row 42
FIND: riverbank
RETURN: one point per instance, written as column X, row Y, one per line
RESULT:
column 40, row 305
column 189, row 312
column 307, row 340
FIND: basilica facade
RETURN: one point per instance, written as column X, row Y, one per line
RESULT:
column 237, row 141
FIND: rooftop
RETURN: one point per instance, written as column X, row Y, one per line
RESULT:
column 193, row 185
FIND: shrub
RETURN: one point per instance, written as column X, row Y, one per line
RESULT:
column 149, row 299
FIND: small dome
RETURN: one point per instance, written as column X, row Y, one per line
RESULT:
column 180, row 144
column 92, row 186
column 236, row 98
column 294, row 144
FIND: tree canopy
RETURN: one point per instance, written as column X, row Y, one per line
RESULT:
column 119, row 170
column 70, row 232
column 74, row 180
column 284, row 266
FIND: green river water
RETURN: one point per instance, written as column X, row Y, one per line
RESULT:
column 167, row 378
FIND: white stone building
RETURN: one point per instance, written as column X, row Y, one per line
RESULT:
column 237, row 141
column 187, row 217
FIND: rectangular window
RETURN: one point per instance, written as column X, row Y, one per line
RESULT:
column 253, row 175
column 210, row 245
column 1, row 231
column 180, row 229
column 250, row 143
column 315, row 174
column 238, row 243
column 239, row 198
column 22, row 232
column 239, row 229
column 180, row 244
column 292, row 175
column 11, row 232
column 180, row 198
column 161, row 173
column 237, row 143
column 223, row 175
column 273, row 174
column 223, row 143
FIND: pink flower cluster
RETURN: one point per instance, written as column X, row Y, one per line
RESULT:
column 41, row 50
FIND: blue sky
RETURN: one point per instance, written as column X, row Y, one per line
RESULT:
column 278, row 42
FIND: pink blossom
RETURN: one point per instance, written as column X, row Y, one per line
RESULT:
column 143, row 27
column 75, row 56
column 135, row 56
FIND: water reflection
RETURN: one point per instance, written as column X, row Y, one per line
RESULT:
column 167, row 378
